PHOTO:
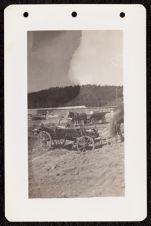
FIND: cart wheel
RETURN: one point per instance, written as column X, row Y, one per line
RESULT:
column 45, row 140
column 85, row 143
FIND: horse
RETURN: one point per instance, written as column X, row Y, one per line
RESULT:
column 97, row 116
column 78, row 117
column 116, row 121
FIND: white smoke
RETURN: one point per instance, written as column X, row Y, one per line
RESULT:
column 98, row 59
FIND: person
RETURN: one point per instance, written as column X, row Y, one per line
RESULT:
column 69, row 123
column 47, row 115
column 116, row 120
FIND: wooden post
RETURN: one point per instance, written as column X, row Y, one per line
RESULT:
column 116, row 96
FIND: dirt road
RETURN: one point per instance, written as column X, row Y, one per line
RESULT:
column 68, row 173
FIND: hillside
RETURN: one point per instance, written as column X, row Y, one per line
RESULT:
column 88, row 95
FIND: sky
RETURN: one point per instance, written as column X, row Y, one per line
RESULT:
column 62, row 58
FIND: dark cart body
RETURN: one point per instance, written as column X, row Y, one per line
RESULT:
column 82, row 138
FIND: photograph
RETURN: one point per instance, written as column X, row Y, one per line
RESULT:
column 75, row 97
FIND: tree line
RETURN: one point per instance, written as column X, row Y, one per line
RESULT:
column 88, row 95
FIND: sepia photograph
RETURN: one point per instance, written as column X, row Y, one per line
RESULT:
column 75, row 114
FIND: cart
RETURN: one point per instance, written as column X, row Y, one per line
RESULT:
column 81, row 138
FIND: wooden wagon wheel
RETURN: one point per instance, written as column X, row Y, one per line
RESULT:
column 45, row 140
column 85, row 143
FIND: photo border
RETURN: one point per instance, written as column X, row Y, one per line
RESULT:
column 148, row 86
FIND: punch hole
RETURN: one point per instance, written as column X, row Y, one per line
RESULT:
column 74, row 14
column 122, row 14
column 25, row 14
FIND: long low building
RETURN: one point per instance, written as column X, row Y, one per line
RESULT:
column 83, row 108
column 43, row 110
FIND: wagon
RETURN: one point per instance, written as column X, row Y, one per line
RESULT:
column 81, row 138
